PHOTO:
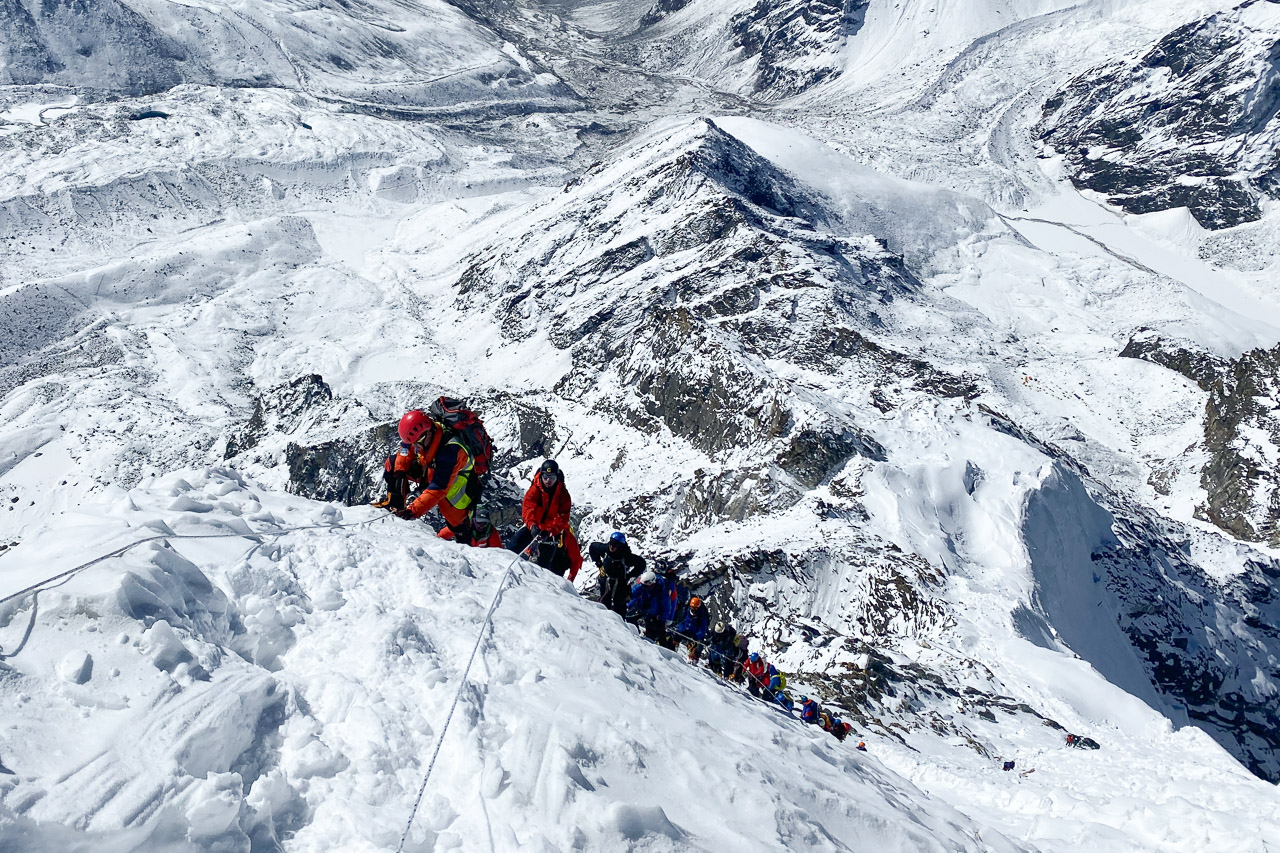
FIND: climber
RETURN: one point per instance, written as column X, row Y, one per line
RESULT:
column 1081, row 742
column 545, row 512
column 754, row 671
column 645, row 607
column 776, row 681
column 444, row 464
column 840, row 729
column 484, row 533
column 674, row 597
column 740, row 658
column 721, row 648
column 808, row 710
column 824, row 720
column 692, row 627
column 618, row 567
column 784, row 699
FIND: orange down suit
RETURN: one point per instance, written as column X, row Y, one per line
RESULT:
column 550, row 512
column 446, row 466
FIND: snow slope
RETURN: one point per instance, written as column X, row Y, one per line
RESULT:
column 248, row 690
column 245, row 689
column 849, row 353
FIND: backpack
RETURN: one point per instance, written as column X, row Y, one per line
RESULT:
column 462, row 422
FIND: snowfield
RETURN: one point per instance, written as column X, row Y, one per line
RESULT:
column 208, row 693
column 799, row 300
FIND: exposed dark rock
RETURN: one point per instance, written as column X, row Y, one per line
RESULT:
column 1192, row 123
column 815, row 456
column 1181, row 357
column 345, row 470
column 1241, row 429
column 798, row 42
column 283, row 409
column 1171, row 608
column 1242, row 434
column 661, row 9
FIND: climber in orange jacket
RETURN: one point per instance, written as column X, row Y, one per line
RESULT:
column 444, row 465
column 484, row 533
column 545, row 512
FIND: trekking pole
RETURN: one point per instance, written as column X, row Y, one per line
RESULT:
column 564, row 445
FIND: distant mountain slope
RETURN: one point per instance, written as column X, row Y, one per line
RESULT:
column 411, row 56
column 1194, row 122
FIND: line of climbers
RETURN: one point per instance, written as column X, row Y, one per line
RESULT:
column 445, row 453
column 659, row 608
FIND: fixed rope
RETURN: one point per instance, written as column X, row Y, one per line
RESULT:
column 62, row 577
column 462, row 682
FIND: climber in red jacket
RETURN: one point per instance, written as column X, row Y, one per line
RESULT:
column 547, row 526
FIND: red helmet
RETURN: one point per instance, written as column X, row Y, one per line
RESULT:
column 414, row 425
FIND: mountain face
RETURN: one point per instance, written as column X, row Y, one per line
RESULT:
column 1240, row 433
column 672, row 327
column 419, row 56
column 1194, row 122
column 705, row 304
column 796, row 45
column 974, row 461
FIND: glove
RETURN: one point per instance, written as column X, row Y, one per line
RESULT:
column 405, row 513
column 535, row 531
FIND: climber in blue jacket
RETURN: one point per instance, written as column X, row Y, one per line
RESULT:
column 647, row 606
column 692, row 627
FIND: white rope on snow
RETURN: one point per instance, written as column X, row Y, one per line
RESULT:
column 462, row 682
column 62, row 577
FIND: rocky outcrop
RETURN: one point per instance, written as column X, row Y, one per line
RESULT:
column 304, row 406
column 691, row 277
column 1191, row 123
column 332, row 447
column 1174, row 615
column 342, row 470
column 797, row 44
column 662, row 9
column 1241, row 432
column 1181, row 357
column 1242, row 435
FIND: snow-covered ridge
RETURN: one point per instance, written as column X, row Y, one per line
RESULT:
column 227, row 693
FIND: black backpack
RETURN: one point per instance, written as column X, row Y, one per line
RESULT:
column 464, row 423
